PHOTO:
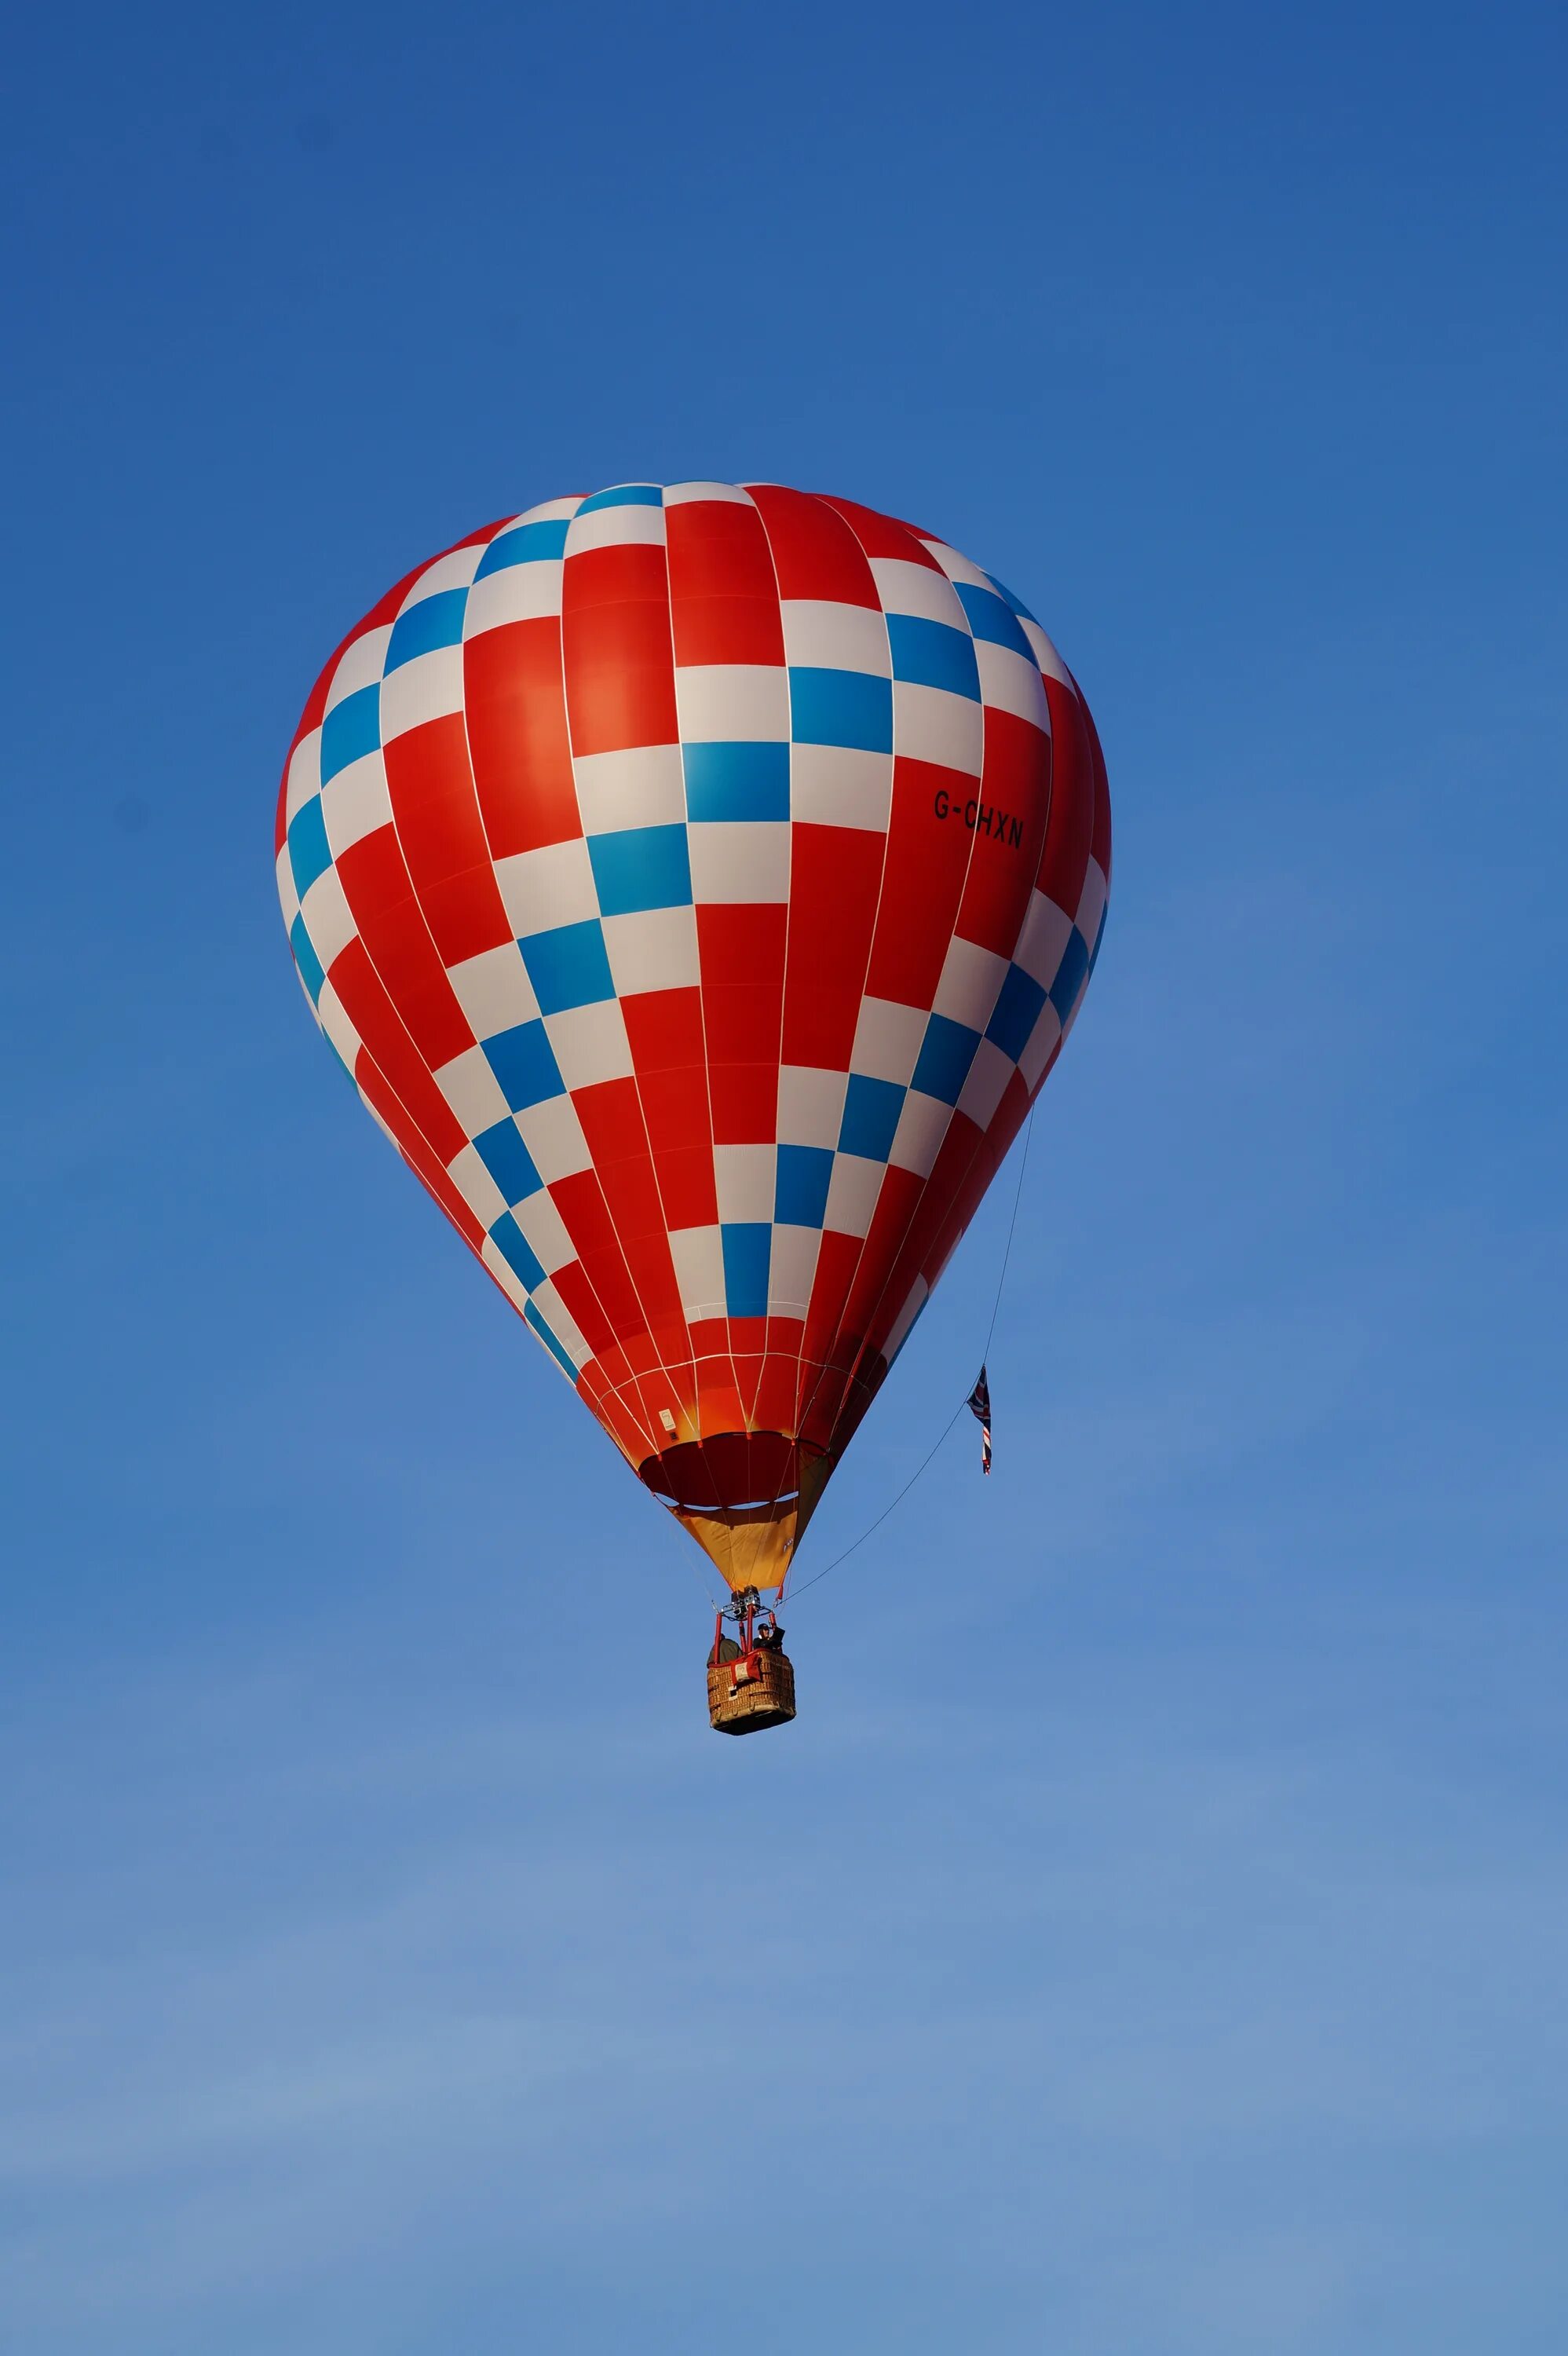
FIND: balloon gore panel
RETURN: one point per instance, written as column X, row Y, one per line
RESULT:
column 698, row 883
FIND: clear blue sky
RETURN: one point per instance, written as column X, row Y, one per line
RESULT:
column 1150, row 1939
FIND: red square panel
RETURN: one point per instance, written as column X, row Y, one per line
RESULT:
column 515, row 708
column 815, row 553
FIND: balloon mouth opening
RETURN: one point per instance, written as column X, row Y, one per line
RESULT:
column 734, row 1473
column 783, row 1504
column 745, row 1497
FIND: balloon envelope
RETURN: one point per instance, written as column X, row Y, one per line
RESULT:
column 698, row 883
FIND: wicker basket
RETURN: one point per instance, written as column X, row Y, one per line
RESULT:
column 755, row 1691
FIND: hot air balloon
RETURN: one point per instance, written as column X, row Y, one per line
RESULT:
column 698, row 883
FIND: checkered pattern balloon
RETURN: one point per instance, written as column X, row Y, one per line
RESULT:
column 698, row 883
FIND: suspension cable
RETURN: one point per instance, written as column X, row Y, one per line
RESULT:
column 794, row 1593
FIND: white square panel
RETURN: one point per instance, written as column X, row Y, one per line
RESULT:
column 888, row 1039
column 328, row 920
column 821, row 635
column 988, row 1075
column 333, row 1016
column 930, row 724
column 550, row 512
column 791, row 1265
column 811, row 1105
column 473, row 1091
column 544, row 1229
column 698, row 1257
column 744, row 1179
column 1011, row 683
column 356, row 802
column 644, row 785
column 743, row 862
column 971, row 979
column 832, row 784
column 476, row 1186
column 724, row 703
column 1042, row 940
column 517, row 593
column 653, row 949
column 305, row 773
column 1045, row 654
column 505, row 1274
column 626, row 527
column 562, row 1324
column 1091, row 903
column 590, row 1044
column 429, row 688
column 359, row 665
column 923, row 1125
column 956, row 567
column 852, row 1194
column 553, row 1135
column 288, row 898
column 906, row 588
column 455, row 569
column 680, row 495
column 1041, row 1046
column 543, row 889
column 493, row 989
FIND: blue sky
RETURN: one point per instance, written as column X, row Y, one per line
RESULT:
column 1149, row 1941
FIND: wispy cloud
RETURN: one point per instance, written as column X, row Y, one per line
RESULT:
column 1021, row 1967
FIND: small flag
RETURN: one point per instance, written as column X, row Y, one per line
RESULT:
column 979, row 1406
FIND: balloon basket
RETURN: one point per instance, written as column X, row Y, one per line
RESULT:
column 751, row 1692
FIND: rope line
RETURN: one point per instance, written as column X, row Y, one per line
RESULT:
column 796, row 1592
column 1012, row 1229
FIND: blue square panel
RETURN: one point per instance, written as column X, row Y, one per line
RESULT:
column 306, row 958
column 872, row 1109
column 310, row 853
column 641, row 867
column 350, row 730
column 736, row 781
column 946, row 1052
column 934, row 654
column 1019, row 1002
column 1016, row 605
column 434, row 622
column 992, row 618
column 551, row 1345
column 624, row 495
column 800, row 1196
column 525, row 543
column 747, row 1252
column 852, row 708
column 567, row 967
column 509, row 1160
column 1070, row 975
column 523, row 1063
column 516, row 1251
